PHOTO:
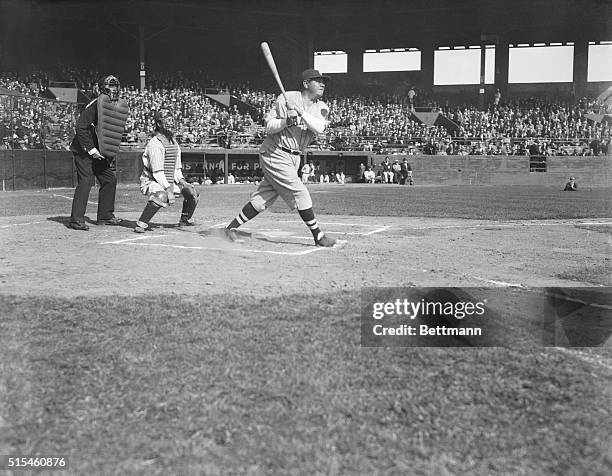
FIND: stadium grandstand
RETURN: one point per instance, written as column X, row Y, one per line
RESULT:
column 410, row 83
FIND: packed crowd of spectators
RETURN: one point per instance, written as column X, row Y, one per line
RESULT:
column 199, row 121
column 383, row 124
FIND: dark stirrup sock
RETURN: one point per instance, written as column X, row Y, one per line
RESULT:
column 311, row 222
column 248, row 213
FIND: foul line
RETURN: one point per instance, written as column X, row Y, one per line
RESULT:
column 127, row 240
column 596, row 361
column 579, row 301
column 293, row 253
column 500, row 283
column 22, row 224
column 70, row 198
column 505, row 225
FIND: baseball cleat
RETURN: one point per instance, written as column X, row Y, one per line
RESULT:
column 139, row 229
column 326, row 242
column 78, row 226
column 231, row 235
column 110, row 221
column 190, row 222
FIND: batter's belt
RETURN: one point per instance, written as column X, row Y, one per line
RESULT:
column 290, row 151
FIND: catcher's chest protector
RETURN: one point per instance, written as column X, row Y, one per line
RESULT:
column 111, row 124
column 170, row 156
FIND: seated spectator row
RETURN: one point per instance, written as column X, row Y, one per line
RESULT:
column 383, row 124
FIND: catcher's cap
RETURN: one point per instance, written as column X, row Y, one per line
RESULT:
column 309, row 74
column 572, row 178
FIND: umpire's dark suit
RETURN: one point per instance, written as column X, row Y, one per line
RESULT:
column 87, row 167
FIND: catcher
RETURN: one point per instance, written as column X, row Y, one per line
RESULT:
column 162, row 176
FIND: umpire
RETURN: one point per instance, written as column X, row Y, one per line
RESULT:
column 90, row 163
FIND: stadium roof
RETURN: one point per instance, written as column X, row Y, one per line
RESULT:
column 364, row 23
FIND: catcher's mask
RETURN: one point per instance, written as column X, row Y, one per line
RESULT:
column 164, row 123
column 163, row 120
column 110, row 85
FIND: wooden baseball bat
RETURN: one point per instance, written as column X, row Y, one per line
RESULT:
column 265, row 48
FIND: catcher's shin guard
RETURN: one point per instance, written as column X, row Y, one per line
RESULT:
column 190, row 202
column 149, row 212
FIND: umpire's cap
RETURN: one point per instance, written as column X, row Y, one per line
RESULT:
column 309, row 74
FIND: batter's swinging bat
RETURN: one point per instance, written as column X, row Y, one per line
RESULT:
column 265, row 48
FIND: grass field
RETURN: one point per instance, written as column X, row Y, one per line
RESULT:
column 246, row 363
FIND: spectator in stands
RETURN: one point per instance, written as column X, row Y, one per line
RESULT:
column 411, row 96
column 383, row 123
column 496, row 98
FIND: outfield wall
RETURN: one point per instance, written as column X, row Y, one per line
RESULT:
column 38, row 169
column 507, row 170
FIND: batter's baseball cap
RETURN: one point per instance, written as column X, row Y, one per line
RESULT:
column 309, row 74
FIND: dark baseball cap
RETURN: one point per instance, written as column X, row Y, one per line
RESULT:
column 309, row 74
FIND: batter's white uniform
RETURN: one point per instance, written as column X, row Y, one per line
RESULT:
column 159, row 172
column 280, row 153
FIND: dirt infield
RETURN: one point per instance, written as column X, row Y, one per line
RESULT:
column 43, row 257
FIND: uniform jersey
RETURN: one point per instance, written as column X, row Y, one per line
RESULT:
column 161, row 163
column 296, row 137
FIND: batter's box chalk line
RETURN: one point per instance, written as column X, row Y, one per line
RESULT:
column 138, row 241
column 21, row 224
column 276, row 233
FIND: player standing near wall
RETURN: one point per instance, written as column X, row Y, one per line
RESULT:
column 98, row 134
column 291, row 127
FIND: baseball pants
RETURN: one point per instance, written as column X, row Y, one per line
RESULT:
column 280, row 179
column 87, row 169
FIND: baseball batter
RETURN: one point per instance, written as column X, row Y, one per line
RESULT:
column 162, row 175
column 291, row 126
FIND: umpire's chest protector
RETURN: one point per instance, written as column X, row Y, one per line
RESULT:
column 112, row 116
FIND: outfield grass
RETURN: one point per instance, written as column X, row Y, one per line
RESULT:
column 172, row 384
column 503, row 202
